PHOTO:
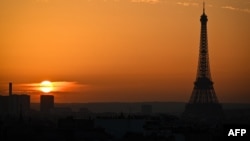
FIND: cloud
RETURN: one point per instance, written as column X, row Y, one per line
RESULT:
column 58, row 87
column 229, row 7
column 187, row 4
column 246, row 10
column 236, row 9
column 65, row 86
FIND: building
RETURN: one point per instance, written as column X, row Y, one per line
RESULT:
column 46, row 103
column 4, row 105
column 19, row 104
column 14, row 104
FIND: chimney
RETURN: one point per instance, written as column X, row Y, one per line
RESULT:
column 10, row 89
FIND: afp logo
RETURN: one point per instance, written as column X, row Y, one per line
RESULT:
column 237, row 132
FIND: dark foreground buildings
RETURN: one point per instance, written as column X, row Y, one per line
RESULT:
column 14, row 104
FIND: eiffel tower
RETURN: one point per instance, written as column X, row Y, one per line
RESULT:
column 203, row 102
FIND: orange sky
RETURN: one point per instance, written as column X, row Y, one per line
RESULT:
column 123, row 50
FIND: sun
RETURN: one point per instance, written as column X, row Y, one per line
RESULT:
column 46, row 86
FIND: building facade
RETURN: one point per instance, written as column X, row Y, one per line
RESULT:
column 46, row 103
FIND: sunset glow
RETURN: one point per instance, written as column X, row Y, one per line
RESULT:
column 46, row 86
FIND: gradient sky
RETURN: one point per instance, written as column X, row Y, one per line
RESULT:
column 123, row 50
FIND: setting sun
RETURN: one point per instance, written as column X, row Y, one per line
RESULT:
column 46, row 86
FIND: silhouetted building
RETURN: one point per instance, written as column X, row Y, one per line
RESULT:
column 203, row 103
column 19, row 104
column 46, row 103
column 10, row 89
column 14, row 104
column 4, row 105
column 146, row 109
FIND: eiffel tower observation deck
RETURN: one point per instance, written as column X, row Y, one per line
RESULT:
column 203, row 102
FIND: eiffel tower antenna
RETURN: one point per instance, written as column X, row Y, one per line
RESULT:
column 203, row 7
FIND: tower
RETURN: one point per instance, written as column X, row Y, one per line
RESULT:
column 203, row 102
column 10, row 89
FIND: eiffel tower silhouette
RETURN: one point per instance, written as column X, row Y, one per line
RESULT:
column 203, row 102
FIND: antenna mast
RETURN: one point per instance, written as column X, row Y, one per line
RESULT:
column 203, row 7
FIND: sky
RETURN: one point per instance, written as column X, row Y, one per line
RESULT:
column 123, row 50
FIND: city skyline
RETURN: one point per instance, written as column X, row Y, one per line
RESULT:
column 105, row 51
